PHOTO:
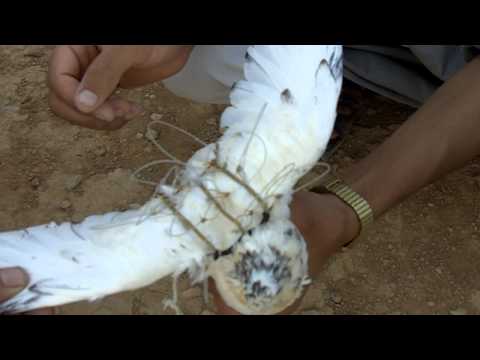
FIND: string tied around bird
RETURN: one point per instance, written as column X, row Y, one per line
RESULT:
column 178, row 166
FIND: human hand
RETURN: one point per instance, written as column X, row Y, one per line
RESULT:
column 12, row 281
column 83, row 78
column 326, row 223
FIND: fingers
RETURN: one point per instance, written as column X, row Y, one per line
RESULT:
column 12, row 281
column 220, row 305
column 66, row 68
column 65, row 111
column 68, row 65
column 102, row 78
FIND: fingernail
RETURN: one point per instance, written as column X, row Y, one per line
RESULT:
column 87, row 98
column 13, row 278
column 105, row 114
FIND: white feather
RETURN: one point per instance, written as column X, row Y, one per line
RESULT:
column 98, row 257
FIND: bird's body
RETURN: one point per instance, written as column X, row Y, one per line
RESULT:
column 228, row 217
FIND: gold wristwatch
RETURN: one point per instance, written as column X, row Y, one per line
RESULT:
column 359, row 205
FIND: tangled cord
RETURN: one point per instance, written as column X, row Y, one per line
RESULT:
column 176, row 170
column 186, row 223
column 215, row 165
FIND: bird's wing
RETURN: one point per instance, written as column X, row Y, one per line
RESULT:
column 288, row 98
column 306, row 71
column 101, row 256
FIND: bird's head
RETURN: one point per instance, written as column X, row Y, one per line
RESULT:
column 265, row 271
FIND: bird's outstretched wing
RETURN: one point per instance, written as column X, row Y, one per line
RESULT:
column 288, row 99
column 101, row 256
column 299, row 74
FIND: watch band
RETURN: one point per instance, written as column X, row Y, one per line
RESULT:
column 359, row 205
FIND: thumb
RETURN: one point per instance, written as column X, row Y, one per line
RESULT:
column 12, row 281
column 101, row 79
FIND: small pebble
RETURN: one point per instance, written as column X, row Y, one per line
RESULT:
column 156, row 116
column 151, row 134
column 100, row 151
column 211, row 121
column 337, row 299
column 73, row 182
column 65, row 204
column 139, row 136
column 35, row 182
column 134, row 206
column 431, row 304
column 438, row 271
column 34, row 52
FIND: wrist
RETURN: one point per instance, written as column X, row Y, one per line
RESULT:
column 161, row 63
column 364, row 180
column 353, row 203
column 351, row 226
column 161, row 55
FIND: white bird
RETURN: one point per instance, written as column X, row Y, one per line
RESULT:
column 228, row 215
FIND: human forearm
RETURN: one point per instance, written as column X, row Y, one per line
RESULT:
column 172, row 58
column 439, row 138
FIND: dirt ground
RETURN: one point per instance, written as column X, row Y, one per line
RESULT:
column 422, row 258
